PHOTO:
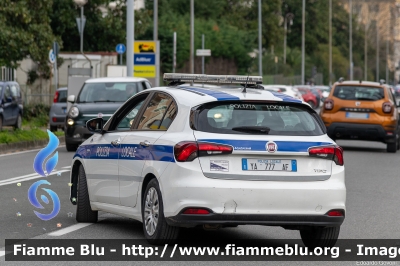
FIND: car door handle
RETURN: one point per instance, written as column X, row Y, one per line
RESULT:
column 145, row 143
column 116, row 142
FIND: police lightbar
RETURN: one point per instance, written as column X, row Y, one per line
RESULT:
column 219, row 79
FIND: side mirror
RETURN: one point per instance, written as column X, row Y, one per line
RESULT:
column 95, row 125
column 71, row 98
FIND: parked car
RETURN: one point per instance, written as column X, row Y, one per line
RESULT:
column 98, row 97
column 325, row 90
column 362, row 110
column 309, row 97
column 397, row 90
column 58, row 110
column 11, row 107
column 288, row 90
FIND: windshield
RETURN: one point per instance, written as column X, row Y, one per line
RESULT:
column 360, row 93
column 258, row 118
column 109, row 92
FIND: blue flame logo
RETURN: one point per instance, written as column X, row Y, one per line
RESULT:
column 44, row 153
column 38, row 167
column 34, row 201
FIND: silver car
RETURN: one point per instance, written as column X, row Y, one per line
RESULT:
column 58, row 110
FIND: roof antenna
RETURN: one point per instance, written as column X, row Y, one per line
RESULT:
column 245, row 85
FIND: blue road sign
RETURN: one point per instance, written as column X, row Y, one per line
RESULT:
column 120, row 48
column 144, row 59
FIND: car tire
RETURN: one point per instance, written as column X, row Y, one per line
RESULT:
column 311, row 103
column 155, row 227
column 84, row 213
column 391, row 147
column 70, row 147
column 53, row 128
column 18, row 123
column 318, row 236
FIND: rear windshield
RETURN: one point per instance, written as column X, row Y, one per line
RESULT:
column 258, row 119
column 109, row 91
column 359, row 93
column 62, row 96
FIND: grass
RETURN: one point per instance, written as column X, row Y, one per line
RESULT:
column 33, row 129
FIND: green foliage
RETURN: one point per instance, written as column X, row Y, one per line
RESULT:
column 36, row 115
column 25, row 31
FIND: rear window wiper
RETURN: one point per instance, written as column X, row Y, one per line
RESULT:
column 104, row 101
column 252, row 129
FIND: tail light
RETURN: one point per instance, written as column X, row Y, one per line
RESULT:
column 334, row 153
column 196, row 211
column 187, row 151
column 336, row 213
column 387, row 107
column 55, row 100
column 328, row 104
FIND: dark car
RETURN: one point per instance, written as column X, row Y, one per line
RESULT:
column 58, row 110
column 11, row 107
column 99, row 97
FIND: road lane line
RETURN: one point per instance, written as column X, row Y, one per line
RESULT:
column 20, row 152
column 66, row 167
column 19, row 177
column 8, row 182
column 69, row 229
column 2, row 253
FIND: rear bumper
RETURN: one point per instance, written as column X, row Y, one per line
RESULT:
column 185, row 220
column 361, row 132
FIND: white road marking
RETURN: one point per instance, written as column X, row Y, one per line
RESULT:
column 69, row 229
column 20, row 152
column 2, row 253
column 67, row 167
column 28, row 177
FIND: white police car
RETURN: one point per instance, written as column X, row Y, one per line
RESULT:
column 183, row 156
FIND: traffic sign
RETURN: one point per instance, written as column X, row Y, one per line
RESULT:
column 203, row 52
column 52, row 57
column 120, row 48
column 144, row 59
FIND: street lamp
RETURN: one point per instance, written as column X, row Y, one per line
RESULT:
column 81, row 26
column 288, row 18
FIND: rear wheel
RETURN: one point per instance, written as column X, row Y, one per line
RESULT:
column 18, row 123
column 311, row 104
column 318, row 236
column 84, row 213
column 156, row 230
column 391, row 147
column 53, row 128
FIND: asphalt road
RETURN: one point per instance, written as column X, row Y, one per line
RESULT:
column 372, row 180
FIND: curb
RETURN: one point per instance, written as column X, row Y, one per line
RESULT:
column 27, row 145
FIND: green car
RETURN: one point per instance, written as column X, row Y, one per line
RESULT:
column 99, row 97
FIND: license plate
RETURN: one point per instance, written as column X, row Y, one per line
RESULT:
column 357, row 115
column 249, row 164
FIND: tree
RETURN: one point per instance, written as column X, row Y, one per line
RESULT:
column 25, row 31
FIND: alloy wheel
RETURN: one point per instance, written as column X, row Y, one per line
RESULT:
column 151, row 211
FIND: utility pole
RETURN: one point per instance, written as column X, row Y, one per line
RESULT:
column 174, row 54
column 366, row 51
column 351, row 38
column 202, row 58
column 130, row 27
column 387, row 61
column 330, row 42
column 303, row 33
column 259, row 39
column 155, row 20
column 377, row 52
column 192, row 36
